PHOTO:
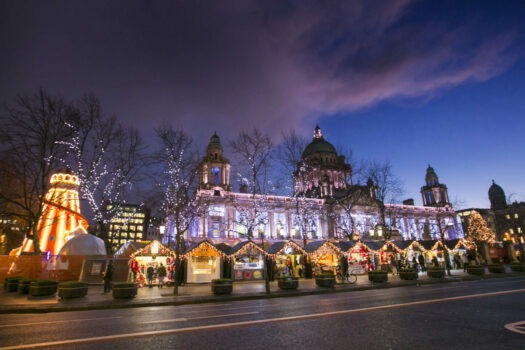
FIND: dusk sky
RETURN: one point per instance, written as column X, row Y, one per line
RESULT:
column 412, row 82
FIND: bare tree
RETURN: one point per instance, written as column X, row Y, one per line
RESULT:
column 253, row 152
column 444, row 221
column 343, row 209
column 31, row 127
column 107, row 157
column 387, row 187
column 178, row 183
column 306, row 210
column 289, row 154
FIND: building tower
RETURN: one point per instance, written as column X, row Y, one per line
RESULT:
column 61, row 218
column 497, row 197
column 215, row 168
column 434, row 194
column 322, row 173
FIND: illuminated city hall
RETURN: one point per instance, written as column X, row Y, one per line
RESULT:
column 323, row 182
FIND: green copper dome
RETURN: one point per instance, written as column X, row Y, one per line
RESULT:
column 215, row 142
column 497, row 197
column 319, row 145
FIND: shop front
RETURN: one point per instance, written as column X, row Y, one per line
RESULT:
column 248, row 260
column 358, row 256
column 288, row 258
column 204, row 262
column 459, row 249
column 144, row 263
column 324, row 255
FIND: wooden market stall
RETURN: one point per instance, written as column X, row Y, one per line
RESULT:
column 151, row 255
column 289, row 259
column 248, row 261
column 357, row 254
column 203, row 262
column 325, row 256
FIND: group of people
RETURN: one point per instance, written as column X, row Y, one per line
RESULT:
column 150, row 274
column 159, row 272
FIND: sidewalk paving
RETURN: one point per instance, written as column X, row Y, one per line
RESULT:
column 201, row 293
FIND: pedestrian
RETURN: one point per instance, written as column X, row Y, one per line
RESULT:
column 149, row 275
column 108, row 277
column 398, row 261
column 422, row 262
column 415, row 263
column 435, row 261
column 464, row 259
column 393, row 265
column 343, row 264
column 457, row 261
column 162, row 274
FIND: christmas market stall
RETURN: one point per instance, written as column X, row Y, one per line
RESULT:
column 325, row 256
column 375, row 258
column 457, row 248
column 358, row 255
column 433, row 253
column 390, row 252
column 125, row 253
column 204, row 262
column 248, row 261
column 147, row 260
column 409, row 250
column 288, row 258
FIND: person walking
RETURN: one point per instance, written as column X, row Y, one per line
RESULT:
column 422, row 262
column 465, row 261
column 149, row 275
column 108, row 276
column 161, row 271
column 393, row 266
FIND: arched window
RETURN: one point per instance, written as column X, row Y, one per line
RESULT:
column 215, row 172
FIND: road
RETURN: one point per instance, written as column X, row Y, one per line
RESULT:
column 465, row 315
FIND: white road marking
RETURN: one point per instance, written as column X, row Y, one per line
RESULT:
column 198, row 318
column 54, row 322
column 252, row 322
column 518, row 327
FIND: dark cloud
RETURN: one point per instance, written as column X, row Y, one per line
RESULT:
column 226, row 66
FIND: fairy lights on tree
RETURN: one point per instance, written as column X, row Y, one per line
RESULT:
column 478, row 230
column 106, row 156
column 253, row 152
column 31, row 127
column 178, row 181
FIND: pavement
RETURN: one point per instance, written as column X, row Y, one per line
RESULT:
column 201, row 293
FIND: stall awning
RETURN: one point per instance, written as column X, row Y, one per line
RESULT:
column 429, row 244
column 322, row 247
column 246, row 248
column 154, row 248
column 128, row 248
column 286, row 247
column 204, row 248
column 374, row 246
column 346, row 246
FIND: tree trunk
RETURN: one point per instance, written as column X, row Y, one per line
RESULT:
column 103, row 234
column 177, row 266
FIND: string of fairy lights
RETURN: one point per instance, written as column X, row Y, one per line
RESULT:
column 250, row 248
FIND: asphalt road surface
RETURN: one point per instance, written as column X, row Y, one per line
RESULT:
column 484, row 314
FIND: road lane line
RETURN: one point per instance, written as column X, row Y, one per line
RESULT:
column 166, row 321
column 199, row 318
column 252, row 322
column 518, row 327
column 54, row 322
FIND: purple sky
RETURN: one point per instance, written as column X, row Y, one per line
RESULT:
column 413, row 82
